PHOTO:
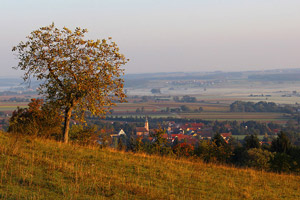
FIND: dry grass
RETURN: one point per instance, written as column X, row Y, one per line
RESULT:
column 45, row 169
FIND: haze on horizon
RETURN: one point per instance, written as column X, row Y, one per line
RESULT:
column 168, row 35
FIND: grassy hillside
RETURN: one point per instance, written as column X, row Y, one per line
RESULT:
column 37, row 169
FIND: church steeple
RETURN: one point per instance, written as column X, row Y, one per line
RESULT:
column 146, row 124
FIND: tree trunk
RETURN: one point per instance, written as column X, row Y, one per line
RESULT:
column 68, row 113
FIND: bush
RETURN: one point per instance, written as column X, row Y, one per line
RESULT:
column 183, row 149
column 38, row 119
column 259, row 159
column 84, row 135
column 209, row 151
column 281, row 163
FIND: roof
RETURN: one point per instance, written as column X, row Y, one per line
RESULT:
column 121, row 132
column 227, row 126
column 225, row 135
column 197, row 125
column 141, row 129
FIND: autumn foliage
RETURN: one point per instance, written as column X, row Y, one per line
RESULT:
column 36, row 120
column 183, row 149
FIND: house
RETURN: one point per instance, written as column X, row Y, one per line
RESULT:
column 226, row 136
column 120, row 133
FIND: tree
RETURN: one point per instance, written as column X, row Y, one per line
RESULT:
column 209, row 151
column 185, row 108
column 77, row 74
column 84, row 135
column 159, row 143
column 281, row 144
column 251, row 141
column 155, row 91
column 218, row 140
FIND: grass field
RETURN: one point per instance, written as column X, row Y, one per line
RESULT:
column 37, row 169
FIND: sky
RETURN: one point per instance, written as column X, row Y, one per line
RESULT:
column 168, row 35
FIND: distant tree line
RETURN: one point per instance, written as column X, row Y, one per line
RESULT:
column 186, row 98
column 244, row 128
column 155, row 91
column 276, row 77
column 262, row 106
column 182, row 108
column 154, row 119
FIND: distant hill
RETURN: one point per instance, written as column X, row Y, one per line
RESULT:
column 276, row 77
column 45, row 169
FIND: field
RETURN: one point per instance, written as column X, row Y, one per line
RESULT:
column 212, row 111
column 11, row 106
column 37, row 169
column 221, row 116
column 231, row 90
column 241, row 137
column 214, row 100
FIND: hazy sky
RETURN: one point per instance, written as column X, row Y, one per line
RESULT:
column 168, row 35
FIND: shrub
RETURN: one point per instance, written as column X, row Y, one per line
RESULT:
column 209, row 151
column 281, row 163
column 259, row 158
column 38, row 119
column 84, row 135
column 183, row 149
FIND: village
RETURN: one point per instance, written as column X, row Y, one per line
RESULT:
column 191, row 133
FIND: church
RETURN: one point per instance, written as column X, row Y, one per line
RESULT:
column 141, row 131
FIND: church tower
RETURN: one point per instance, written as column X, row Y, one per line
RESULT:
column 147, row 124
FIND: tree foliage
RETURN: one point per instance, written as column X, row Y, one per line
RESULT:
column 183, row 149
column 76, row 74
column 259, row 158
column 160, row 144
column 251, row 141
column 281, row 144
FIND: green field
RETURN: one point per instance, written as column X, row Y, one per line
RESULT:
column 11, row 106
column 241, row 137
column 37, row 169
column 245, row 116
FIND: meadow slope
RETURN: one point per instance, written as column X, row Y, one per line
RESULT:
column 45, row 169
